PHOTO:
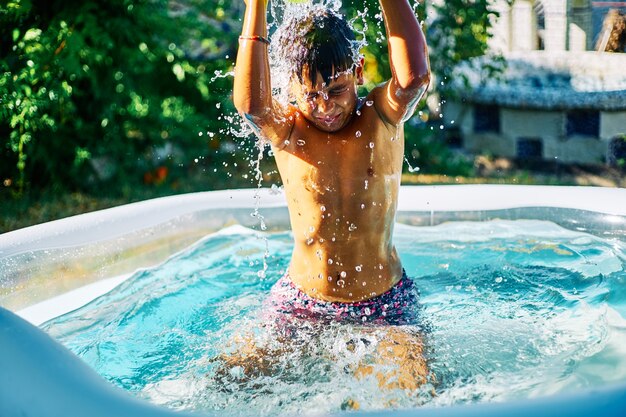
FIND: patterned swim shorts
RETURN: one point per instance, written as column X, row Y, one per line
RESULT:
column 398, row 306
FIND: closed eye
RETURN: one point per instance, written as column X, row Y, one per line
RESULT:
column 338, row 91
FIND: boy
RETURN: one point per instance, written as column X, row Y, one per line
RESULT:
column 340, row 158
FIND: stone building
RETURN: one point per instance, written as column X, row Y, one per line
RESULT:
column 557, row 99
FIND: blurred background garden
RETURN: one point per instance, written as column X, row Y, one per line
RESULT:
column 106, row 102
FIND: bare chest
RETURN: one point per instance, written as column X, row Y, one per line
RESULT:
column 358, row 157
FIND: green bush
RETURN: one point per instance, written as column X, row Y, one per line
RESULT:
column 108, row 91
column 427, row 152
column 113, row 94
column 458, row 32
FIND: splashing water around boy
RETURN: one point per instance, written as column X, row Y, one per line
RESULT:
column 340, row 158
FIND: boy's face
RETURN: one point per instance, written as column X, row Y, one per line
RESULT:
column 328, row 107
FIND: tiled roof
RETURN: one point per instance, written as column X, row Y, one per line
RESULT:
column 548, row 80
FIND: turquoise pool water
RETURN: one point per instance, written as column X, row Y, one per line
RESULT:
column 511, row 310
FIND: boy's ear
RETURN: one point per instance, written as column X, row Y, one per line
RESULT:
column 358, row 72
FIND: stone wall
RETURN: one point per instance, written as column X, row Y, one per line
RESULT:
column 547, row 102
column 520, row 126
column 567, row 25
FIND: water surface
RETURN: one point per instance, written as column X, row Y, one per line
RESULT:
column 511, row 310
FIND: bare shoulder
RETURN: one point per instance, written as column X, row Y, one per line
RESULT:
column 275, row 125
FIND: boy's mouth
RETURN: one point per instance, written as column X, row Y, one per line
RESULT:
column 328, row 120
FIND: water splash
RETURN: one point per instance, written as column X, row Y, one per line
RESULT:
column 411, row 168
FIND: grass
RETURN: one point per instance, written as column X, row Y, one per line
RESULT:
column 30, row 210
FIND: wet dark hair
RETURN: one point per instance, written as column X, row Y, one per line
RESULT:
column 320, row 41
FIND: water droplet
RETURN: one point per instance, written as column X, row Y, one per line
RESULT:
column 309, row 241
column 300, row 142
column 371, row 145
column 358, row 268
column 319, row 254
column 366, row 184
column 367, row 311
column 369, row 103
column 380, row 266
column 364, row 283
column 323, row 208
column 343, row 274
column 352, row 227
column 358, row 112
column 330, row 278
column 286, row 142
column 320, row 276
column 362, row 206
column 341, row 283
column 330, row 260
column 218, row 105
column 499, row 280
column 311, row 229
column 358, row 134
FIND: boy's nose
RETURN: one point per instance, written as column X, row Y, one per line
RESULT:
column 324, row 104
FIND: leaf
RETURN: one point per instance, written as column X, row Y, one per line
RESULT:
column 32, row 34
column 178, row 70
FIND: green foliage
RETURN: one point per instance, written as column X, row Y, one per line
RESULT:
column 427, row 153
column 459, row 31
column 99, row 91
column 112, row 94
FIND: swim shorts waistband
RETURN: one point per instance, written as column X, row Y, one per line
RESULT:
column 399, row 305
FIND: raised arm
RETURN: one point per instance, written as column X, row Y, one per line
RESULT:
column 252, row 92
column 408, row 57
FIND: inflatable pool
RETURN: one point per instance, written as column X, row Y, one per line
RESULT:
column 53, row 269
